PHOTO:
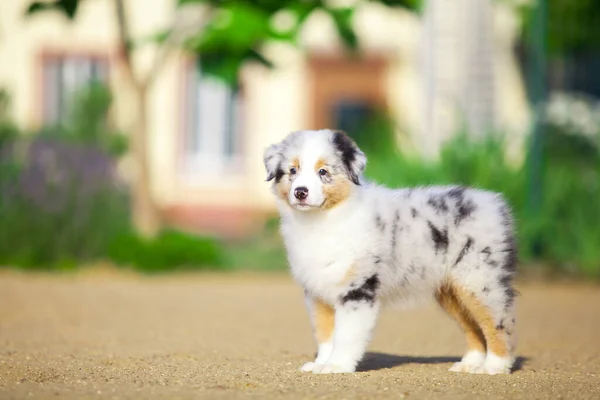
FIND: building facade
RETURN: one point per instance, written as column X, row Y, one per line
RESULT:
column 430, row 73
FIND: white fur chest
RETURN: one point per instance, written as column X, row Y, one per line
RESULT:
column 323, row 254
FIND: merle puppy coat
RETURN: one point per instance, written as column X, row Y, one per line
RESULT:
column 355, row 246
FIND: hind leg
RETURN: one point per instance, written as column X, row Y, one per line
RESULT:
column 492, row 309
column 475, row 355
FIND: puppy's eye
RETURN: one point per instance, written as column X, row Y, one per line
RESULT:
column 292, row 171
column 323, row 172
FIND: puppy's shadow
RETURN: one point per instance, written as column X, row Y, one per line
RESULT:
column 376, row 361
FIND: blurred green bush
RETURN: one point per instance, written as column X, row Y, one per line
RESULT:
column 263, row 251
column 170, row 250
column 87, row 122
column 63, row 204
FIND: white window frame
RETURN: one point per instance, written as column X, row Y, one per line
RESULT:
column 209, row 130
column 63, row 75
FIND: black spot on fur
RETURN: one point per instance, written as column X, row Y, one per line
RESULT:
column 487, row 251
column 414, row 212
column 500, row 326
column 272, row 173
column 509, row 292
column 457, row 192
column 506, row 216
column 348, row 149
column 366, row 292
column 511, row 255
column 394, row 240
column 464, row 207
column 279, row 174
column 464, row 210
column 377, row 259
column 440, row 238
column 404, row 282
column 438, row 204
column 464, row 250
column 379, row 222
column 509, row 245
column 485, row 289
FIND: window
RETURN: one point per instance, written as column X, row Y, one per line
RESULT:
column 346, row 92
column 65, row 75
column 353, row 116
column 213, row 126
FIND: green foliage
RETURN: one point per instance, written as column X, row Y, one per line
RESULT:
column 87, row 121
column 263, row 251
column 170, row 250
column 8, row 130
column 238, row 29
column 62, row 203
column 572, row 25
column 66, row 7
column 563, row 234
column 56, row 209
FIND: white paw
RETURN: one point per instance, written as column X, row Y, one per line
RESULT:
column 464, row 367
column 495, row 365
column 492, row 370
column 471, row 363
column 308, row 367
column 332, row 369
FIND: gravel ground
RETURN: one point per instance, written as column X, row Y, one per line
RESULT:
column 113, row 335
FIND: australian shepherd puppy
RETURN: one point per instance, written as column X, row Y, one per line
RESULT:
column 355, row 246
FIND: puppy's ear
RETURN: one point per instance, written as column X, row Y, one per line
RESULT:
column 272, row 158
column 353, row 158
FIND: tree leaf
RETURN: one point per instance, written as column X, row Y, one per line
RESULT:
column 224, row 67
column 342, row 17
column 413, row 5
column 211, row 2
column 67, row 7
column 255, row 55
column 236, row 27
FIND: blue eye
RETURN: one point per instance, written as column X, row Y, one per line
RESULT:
column 323, row 172
column 292, row 171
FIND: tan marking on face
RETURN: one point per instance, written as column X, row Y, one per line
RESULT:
column 448, row 300
column 320, row 164
column 285, row 184
column 336, row 191
column 474, row 314
column 324, row 320
column 283, row 188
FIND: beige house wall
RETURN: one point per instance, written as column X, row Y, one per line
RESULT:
column 275, row 102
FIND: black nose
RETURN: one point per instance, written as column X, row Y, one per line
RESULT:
column 301, row 193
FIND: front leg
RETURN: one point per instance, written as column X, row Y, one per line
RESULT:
column 355, row 317
column 322, row 318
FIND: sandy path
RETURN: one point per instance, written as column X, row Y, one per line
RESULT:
column 219, row 337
